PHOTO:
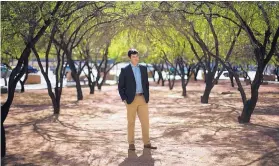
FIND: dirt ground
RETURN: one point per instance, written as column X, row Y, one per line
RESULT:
column 186, row 132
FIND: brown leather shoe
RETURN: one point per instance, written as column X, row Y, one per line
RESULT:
column 132, row 147
column 149, row 146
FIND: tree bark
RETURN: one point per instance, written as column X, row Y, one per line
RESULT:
column 59, row 81
column 183, row 87
column 204, row 74
column 3, row 141
column 15, row 76
column 18, row 72
column 208, row 88
column 231, row 79
column 261, row 55
column 159, row 71
column 50, row 93
column 5, row 80
column 75, row 77
column 23, row 82
column 171, row 82
column 183, row 79
column 91, row 83
column 153, row 73
column 99, row 85
column 250, row 104
column 205, row 97
column 277, row 72
column 160, row 77
column 56, row 104
column 92, row 87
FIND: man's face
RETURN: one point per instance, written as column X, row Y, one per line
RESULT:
column 134, row 59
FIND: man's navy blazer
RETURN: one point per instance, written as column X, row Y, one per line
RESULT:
column 127, row 84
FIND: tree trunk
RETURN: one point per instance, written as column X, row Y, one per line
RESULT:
column 154, row 71
column 231, row 78
column 5, row 78
column 182, row 65
column 98, row 78
column 23, row 82
column 205, row 97
column 91, row 84
column 163, row 82
column 277, row 73
column 171, row 82
column 160, row 77
column 159, row 71
column 99, row 87
column 250, row 104
column 92, row 87
column 22, row 86
column 15, row 76
column 75, row 78
column 153, row 75
column 205, row 74
column 18, row 72
column 78, row 86
column 49, row 87
column 208, row 87
column 217, row 78
column 249, row 107
column 210, row 82
column 3, row 141
column 247, row 79
column 183, row 86
column 57, row 89
column 105, row 70
column 56, row 104
column 103, row 80
column 162, row 69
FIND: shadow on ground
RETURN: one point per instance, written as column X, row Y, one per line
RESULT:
column 93, row 131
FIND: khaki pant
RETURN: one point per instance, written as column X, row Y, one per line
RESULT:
column 140, row 107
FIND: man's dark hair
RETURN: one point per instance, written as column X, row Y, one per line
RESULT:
column 132, row 51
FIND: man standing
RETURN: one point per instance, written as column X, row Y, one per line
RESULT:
column 133, row 88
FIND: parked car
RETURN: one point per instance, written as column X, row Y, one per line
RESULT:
column 67, row 69
column 32, row 69
column 240, row 73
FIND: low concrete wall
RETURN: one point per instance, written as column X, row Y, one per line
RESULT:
column 33, row 79
column 269, row 77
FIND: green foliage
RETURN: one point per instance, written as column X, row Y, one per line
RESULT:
column 154, row 28
column 19, row 22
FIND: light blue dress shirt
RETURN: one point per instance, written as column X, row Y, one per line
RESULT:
column 137, row 75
